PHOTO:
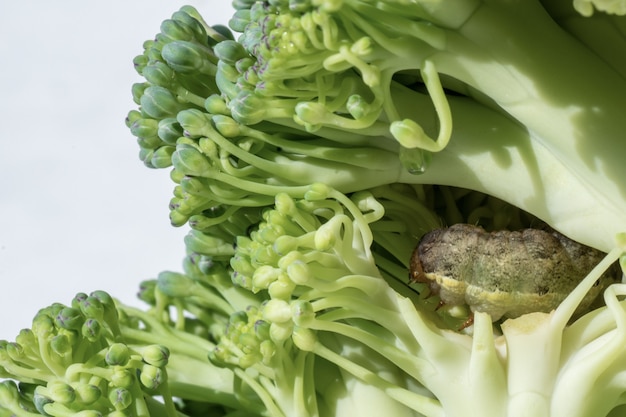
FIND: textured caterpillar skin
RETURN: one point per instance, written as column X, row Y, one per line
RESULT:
column 505, row 273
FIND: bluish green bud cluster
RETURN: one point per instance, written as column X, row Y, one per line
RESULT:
column 75, row 360
column 60, row 336
column 234, row 133
column 203, row 297
column 226, row 170
column 246, row 341
column 339, row 66
column 171, row 64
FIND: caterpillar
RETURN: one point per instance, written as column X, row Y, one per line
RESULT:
column 505, row 273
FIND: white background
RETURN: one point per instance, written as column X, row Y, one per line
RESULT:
column 78, row 210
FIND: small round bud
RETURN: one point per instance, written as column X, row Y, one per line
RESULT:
column 140, row 62
column 282, row 288
column 87, row 393
column 302, row 312
column 263, row 276
column 285, row 244
column 156, row 355
column 299, row 272
column 304, row 339
column 248, row 108
column 123, row 378
column 227, row 126
column 174, row 284
column 158, row 73
column 120, row 398
column 61, row 344
column 215, row 105
column 146, row 291
column 137, row 91
column 144, row 128
column 151, row 377
column 118, row 354
column 277, row 311
column 194, row 123
column 158, row 102
column 78, row 298
column 358, row 107
column 190, row 161
column 262, row 329
column 60, row 392
column 91, row 330
column 92, row 308
column 105, row 299
column 318, row 191
column 230, row 51
column 15, row 351
column 162, row 157
column 26, row 337
column 70, row 318
column 279, row 332
column 188, row 57
column 326, row 235
column 240, row 19
column 169, row 130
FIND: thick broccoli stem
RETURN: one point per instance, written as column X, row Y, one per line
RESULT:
column 488, row 152
column 603, row 33
column 493, row 155
column 571, row 100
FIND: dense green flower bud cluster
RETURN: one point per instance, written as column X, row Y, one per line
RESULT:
column 337, row 65
column 201, row 110
column 229, row 156
column 170, row 64
column 75, row 361
column 222, row 163
column 312, row 262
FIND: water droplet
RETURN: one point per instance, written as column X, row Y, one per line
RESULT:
column 415, row 160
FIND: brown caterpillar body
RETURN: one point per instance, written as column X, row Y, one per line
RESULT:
column 505, row 273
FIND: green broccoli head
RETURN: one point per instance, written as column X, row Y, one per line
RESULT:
column 310, row 154
column 331, row 70
column 74, row 360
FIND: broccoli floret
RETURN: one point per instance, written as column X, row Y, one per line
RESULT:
column 97, row 357
column 313, row 61
column 363, row 89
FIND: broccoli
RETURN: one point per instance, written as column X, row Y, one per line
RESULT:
column 97, row 357
column 329, row 327
column 419, row 89
column 310, row 152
